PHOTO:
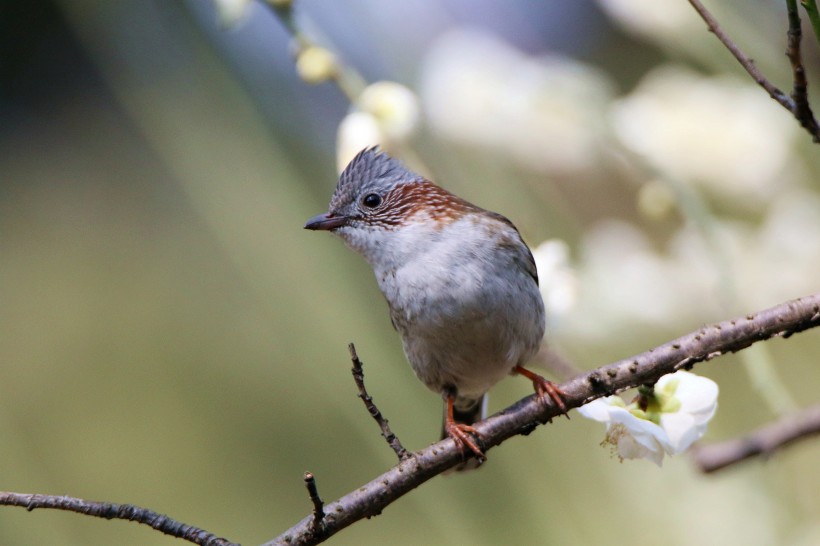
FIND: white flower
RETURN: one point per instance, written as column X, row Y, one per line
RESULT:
column 663, row 21
column 654, row 289
column 674, row 416
column 543, row 112
column 316, row 64
column 394, row 106
column 357, row 131
column 232, row 12
column 719, row 133
column 385, row 114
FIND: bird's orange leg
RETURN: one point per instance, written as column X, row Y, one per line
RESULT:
column 544, row 388
column 460, row 433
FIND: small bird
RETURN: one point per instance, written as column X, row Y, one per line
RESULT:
column 460, row 283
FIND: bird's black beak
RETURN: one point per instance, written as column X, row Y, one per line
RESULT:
column 325, row 222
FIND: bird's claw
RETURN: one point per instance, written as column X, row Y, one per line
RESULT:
column 461, row 435
column 545, row 388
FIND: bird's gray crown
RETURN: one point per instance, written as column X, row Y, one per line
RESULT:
column 370, row 171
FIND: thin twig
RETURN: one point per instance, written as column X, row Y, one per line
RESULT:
column 109, row 510
column 375, row 413
column 763, row 441
column 525, row 415
column 748, row 64
column 318, row 504
column 802, row 109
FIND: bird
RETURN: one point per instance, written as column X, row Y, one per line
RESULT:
column 460, row 283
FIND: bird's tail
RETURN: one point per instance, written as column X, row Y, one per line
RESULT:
column 466, row 411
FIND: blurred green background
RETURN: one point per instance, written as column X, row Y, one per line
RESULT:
column 170, row 336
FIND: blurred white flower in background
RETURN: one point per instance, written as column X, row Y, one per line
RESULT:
column 357, row 131
column 780, row 259
column 556, row 278
column 723, row 134
column 656, row 200
column 544, row 112
column 394, row 106
column 385, row 114
column 675, row 415
column 232, row 12
column 316, row 64
column 662, row 21
column 678, row 30
column 624, row 280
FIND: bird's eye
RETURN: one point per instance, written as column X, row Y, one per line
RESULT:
column 371, row 200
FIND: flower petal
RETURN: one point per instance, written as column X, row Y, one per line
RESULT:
column 597, row 410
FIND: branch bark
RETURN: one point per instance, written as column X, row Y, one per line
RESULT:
column 763, row 441
column 389, row 436
column 108, row 510
column 802, row 109
column 524, row 416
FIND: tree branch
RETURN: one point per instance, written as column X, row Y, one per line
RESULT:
column 747, row 63
column 521, row 418
column 524, row 416
column 799, row 107
column 763, row 441
column 802, row 110
column 109, row 510
column 375, row 413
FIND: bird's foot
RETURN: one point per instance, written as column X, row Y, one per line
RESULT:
column 461, row 435
column 544, row 389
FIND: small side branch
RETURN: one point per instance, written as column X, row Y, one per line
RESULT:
column 375, row 413
column 109, row 510
column 745, row 62
column 802, row 110
column 763, row 441
column 318, row 504
column 801, row 113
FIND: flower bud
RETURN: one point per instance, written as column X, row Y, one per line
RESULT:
column 316, row 64
column 394, row 106
column 357, row 131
